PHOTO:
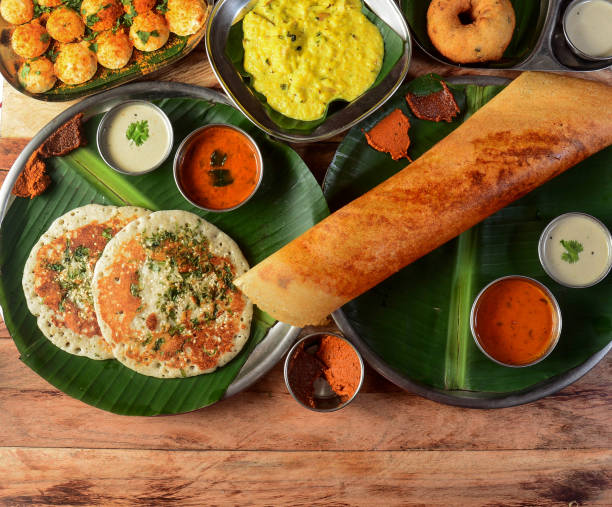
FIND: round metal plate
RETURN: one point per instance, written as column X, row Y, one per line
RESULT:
column 281, row 336
column 468, row 399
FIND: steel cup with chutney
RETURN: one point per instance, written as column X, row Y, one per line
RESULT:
column 218, row 167
column 324, row 372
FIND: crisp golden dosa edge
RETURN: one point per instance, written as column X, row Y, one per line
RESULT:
column 498, row 155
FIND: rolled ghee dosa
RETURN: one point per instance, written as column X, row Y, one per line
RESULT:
column 536, row 128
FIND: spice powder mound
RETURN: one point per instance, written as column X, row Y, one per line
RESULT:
column 342, row 367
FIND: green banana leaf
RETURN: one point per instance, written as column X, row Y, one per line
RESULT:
column 417, row 321
column 394, row 49
column 529, row 21
column 287, row 203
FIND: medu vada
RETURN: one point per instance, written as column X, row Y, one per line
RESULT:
column 471, row 31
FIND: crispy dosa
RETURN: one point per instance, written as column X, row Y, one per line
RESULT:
column 536, row 128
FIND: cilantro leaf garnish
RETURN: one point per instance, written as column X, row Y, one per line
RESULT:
column 92, row 19
column 573, row 248
column 52, row 54
column 25, row 70
column 107, row 233
column 163, row 7
column 138, row 132
column 93, row 47
column 144, row 36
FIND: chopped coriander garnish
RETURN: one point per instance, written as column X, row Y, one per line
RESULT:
column 138, row 132
column 210, row 353
column 134, row 289
column 163, row 7
column 107, row 233
column 91, row 35
column 144, row 36
column 93, row 47
column 55, row 267
column 573, row 248
column 81, row 251
column 158, row 344
column 52, row 54
column 25, row 70
column 92, row 19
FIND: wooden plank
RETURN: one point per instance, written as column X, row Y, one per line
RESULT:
column 382, row 417
column 105, row 477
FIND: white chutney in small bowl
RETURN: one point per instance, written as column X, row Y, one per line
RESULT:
column 135, row 137
column 575, row 250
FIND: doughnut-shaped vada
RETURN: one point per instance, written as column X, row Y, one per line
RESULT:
column 484, row 39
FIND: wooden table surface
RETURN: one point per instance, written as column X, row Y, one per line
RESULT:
column 260, row 447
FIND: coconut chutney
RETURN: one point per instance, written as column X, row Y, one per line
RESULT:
column 304, row 54
column 576, row 250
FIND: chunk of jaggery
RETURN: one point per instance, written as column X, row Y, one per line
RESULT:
column 65, row 139
column 390, row 135
column 437, row 106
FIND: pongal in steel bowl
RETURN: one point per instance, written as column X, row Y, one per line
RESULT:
column 226, row 16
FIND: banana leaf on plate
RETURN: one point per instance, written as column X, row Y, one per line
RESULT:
column 415, row 325
column 287, row 203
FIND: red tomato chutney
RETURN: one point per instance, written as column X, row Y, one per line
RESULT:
column 516, row 321
column 220, row 168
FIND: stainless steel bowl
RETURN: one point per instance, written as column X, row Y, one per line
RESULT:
column 182, row 150
column 326, row 400
column 556, row 309
column 542, row 250
column 228, row 12
column 102, row 132
column 572, row 5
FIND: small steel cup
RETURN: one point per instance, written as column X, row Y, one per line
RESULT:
column 573, row 4
column 556, row 308
column 184, row 147
column 103, row 131
column 542, row 250
column 326, row 399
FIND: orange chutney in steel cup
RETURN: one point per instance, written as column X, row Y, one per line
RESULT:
column 516, row 321
column 220, row 167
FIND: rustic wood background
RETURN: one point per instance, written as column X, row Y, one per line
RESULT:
column 260, row 447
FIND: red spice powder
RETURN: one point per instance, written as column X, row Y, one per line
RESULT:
column 342, row 367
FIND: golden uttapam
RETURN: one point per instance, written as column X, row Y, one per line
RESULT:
column 165, row 298
column 57, row 276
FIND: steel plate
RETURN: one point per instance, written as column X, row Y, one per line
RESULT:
column 281, row 336
column 468, row 399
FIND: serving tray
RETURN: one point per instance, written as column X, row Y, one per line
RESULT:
column 140, row 65
column 286, row 174
column 538, row 42
column 413, row 328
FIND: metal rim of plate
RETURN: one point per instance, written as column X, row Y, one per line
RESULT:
column 281, row 336
column 468, row 399
column 228, row 12
column 543, row 56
